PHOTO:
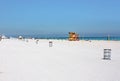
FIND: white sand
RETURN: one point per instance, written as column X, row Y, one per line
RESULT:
column 65, row 61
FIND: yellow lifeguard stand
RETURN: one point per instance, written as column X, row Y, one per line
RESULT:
column 73, row 36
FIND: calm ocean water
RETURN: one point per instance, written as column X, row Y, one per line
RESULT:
column 66, row 37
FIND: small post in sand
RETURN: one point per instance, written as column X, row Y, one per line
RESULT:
column 108, row 37
column 107, row 54
column 0, row 37
column 50, row 43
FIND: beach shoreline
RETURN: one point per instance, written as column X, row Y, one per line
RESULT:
column 35, row 60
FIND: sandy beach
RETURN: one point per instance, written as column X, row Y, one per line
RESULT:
column 26, row 60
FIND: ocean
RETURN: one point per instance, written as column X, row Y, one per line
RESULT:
column 65, row 37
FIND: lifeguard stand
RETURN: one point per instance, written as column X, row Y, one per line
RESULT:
column 73, row 36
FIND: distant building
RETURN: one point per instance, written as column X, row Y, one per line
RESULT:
column 20, row 37
column 4, row 37
column 73, row 36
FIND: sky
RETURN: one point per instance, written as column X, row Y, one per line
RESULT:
column 86, row 17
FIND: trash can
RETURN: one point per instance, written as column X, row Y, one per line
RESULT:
column 107, row 54
column 50, row 43
column 37, row 41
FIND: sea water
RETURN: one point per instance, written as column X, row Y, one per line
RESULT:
column 65, row 37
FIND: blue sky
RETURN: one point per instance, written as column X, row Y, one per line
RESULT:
column 87, row 17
